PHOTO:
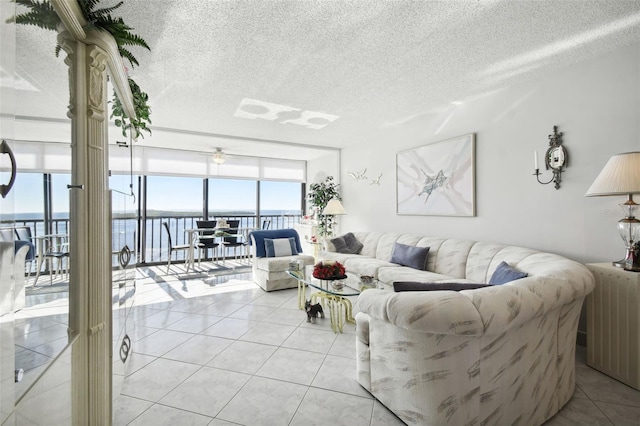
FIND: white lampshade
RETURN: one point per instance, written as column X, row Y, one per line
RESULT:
column 334, row 207
column 620, row 176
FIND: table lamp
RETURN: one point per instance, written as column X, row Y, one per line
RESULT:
column 621, row 176
column 333, row 208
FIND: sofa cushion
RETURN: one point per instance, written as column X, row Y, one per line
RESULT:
column 276, row 247
column 419, row 286
column 279, row 264
column 362, row 265
column 505, row 273
column 412, row 256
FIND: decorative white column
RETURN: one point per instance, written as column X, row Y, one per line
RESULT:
column 90, row 261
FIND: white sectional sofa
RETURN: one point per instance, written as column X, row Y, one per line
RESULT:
column 502, row 354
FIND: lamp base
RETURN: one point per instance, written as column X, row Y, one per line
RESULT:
column 620, row 263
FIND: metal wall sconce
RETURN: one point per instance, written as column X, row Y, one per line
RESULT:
column 556, row 158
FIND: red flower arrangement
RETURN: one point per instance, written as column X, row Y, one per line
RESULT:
column 329, row 270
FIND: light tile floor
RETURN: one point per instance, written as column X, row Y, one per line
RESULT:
column 236, row 355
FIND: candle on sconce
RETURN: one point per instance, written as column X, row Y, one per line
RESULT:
column 535, row 159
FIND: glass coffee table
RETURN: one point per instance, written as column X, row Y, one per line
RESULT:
column 333, row 294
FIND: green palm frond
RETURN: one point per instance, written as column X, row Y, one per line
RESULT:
column 107, row 10
column 120, row 31
column 87, row 6
column 128, row 55
column 41, row 15
column 128, row 38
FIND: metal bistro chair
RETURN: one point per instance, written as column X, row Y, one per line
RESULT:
column 24, row 234
column 7, row 235
column 266, row 224
column 56, row 247
column 206, row 239
column 172, row 248
column 20, row 236
column 233, row 241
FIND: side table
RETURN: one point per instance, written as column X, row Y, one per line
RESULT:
column 613, row 323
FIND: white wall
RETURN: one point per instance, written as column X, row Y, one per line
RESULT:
column 595, row 105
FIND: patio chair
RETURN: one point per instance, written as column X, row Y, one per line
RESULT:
column 206, row 239
column 23, row 233
column 7, row 235
column 172, row 248
column 21, row 236
column 56, row 247
column 234, row 241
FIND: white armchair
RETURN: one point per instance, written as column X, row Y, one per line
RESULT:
column 269, row 272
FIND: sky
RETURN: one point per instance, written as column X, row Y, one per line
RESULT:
column 167, row 193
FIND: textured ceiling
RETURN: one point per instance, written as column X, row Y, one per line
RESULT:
column 293, row 78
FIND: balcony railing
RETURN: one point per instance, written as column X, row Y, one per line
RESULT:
column 155, row 244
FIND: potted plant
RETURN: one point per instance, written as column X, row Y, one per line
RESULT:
column 319, row 196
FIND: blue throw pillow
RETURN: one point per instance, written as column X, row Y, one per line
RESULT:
column 276, row 247
column 411, row 256
column 505, row 273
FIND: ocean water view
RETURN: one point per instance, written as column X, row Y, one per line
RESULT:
column 155, row 242
column 179, row 201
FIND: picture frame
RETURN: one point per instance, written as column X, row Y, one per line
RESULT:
column 437, row 179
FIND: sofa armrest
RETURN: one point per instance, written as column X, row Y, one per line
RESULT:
column 488, row 310
column 440, row 312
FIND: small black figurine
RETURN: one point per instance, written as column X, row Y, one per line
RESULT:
column 313, row 311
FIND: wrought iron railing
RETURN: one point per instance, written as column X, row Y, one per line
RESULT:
column 155, row 241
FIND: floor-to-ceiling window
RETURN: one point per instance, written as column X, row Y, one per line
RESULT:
column 60, row 202
column 30, row 207
column 177, row 187
column 233, row 198
column 176, row 201
column 280, row 203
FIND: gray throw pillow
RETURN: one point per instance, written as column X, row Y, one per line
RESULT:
column 347, row 244
column 505, row 273
column 412, row 256
column 340, row 244
column 418, row 286
column 355, row 246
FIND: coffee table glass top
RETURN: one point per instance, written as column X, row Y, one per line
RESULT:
column 349, row 286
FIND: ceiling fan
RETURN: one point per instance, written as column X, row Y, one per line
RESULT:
column 219, row 157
